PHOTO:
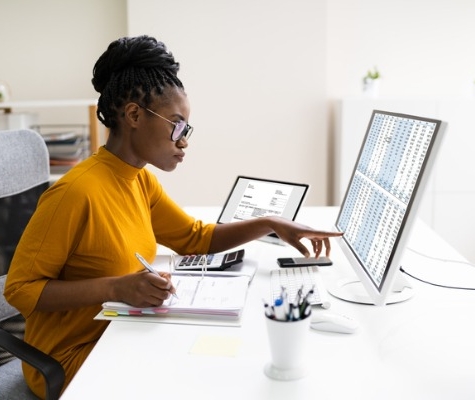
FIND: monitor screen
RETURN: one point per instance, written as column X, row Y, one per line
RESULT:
column 381, row 202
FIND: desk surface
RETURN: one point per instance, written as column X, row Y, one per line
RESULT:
column 420, row 349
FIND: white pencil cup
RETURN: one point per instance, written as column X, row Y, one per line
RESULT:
column 287, row 340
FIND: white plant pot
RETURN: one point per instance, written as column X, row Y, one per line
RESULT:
column 371, row 87
column 4, row 92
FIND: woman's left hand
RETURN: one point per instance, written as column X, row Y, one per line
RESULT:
column 293, row 232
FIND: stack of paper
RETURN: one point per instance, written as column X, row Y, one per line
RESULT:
column 197, row 297
column 67, row 145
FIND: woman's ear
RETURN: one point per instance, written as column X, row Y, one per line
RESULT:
column 132, row 112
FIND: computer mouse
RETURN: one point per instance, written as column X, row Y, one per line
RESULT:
column 332, row 322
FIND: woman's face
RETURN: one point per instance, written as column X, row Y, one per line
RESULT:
column 150, row 140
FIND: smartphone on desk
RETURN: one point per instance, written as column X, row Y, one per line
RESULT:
column 289, row 262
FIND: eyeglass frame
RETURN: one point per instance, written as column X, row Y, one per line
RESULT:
column 186, row 131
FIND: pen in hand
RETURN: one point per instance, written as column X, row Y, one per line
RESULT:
column 150, row 269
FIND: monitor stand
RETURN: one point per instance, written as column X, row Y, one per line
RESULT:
column 351, row 289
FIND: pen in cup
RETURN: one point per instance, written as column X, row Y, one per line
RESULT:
column 285, row 310
column 269, row 310
column 279, row 310
column 149, row 268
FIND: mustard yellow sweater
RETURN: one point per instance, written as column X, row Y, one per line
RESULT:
column 89, row 225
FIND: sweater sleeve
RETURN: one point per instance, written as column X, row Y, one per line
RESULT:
column 45, row 245
column 173, row 227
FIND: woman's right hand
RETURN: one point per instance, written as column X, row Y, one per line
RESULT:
column 143, row 289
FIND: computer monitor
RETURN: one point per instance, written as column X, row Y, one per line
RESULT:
column 381, row 202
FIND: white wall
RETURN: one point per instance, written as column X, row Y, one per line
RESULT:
column 249, row 96
column 261, row 74
column 255, row 75
column 421, row 47
column 48, row 49
column 424, row 50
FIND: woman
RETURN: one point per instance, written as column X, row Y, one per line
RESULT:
column 78, row 250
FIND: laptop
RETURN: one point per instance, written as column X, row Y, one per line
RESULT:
column 256, row 197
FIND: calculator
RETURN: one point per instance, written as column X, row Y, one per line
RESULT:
column 214, row 262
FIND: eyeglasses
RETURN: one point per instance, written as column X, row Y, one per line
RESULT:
column 181, row 129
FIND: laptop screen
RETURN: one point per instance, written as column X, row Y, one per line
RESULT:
column 255, row 197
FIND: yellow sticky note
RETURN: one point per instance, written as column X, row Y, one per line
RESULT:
column 223, row 346
column 110, row 313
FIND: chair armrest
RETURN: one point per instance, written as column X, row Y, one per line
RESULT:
column 51, row 369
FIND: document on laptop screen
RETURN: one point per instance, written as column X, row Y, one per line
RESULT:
column 254, row 198
column 262, row 199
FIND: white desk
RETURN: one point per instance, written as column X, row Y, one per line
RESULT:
column 421, row 349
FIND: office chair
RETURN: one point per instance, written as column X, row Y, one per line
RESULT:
column 24, row 175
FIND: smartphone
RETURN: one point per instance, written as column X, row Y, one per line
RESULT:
column 303, row 262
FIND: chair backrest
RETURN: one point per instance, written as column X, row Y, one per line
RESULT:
column 24, row 161
column 24, row 175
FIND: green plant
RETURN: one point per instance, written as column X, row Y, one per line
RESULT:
column 372, row 74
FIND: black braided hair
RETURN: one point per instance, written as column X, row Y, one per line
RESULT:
column 130, row 70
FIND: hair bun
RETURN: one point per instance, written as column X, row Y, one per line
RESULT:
column 141, row 52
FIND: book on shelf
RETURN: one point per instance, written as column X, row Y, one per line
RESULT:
column 72, row 146
column 59, row 137
column 198, row 297
column 67, row 144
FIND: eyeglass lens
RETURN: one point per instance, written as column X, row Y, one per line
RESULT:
column 182, row 129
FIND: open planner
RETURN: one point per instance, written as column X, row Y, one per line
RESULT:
column 198, row 297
